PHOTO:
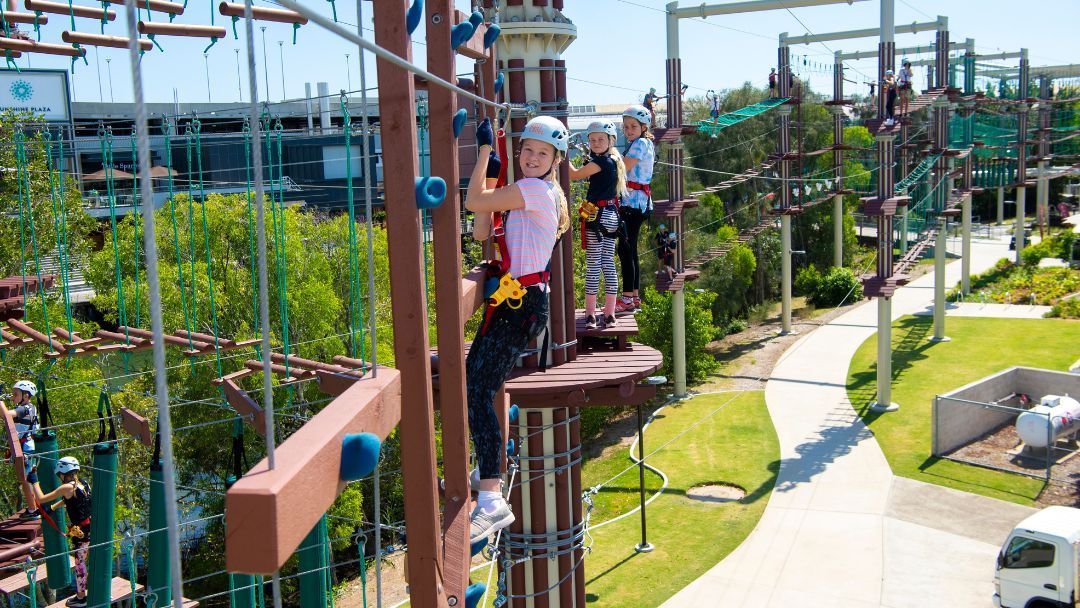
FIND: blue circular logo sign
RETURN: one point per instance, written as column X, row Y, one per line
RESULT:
column 22, row 90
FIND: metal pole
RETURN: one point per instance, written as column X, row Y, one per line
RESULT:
column 785, row 272
column 108, row 67
column 281, row 59
column 678, row 322
column 348, row 71
column 1000, row 206
column 838, row 230
column 239, row 87
column 1018, row 229
column 260, row 223
column 161, row 381
column 97, row 63
column 206, row 65
column 965, row 236
column 939, row 282
column 266, row 64
column 884, row 377
column 644, row 546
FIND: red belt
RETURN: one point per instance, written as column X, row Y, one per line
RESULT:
column 639, row 186
column 606, row 203
column 535, row 278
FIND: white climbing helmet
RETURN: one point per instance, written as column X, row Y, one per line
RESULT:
column 67, row 464
column 26, row 386
column 602, row 126
column 548, row 130
column 888, row 72
column 638, row 113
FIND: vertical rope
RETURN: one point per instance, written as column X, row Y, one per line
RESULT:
column 26, row 210
column 260, row 223
column 161, row 380
column 135, row 223
column 189, row 142
column 251, row 233
column 105, row 138
column 60, row 223
column 356, row 324
column 167, row 131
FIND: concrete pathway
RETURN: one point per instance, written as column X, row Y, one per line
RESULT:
column 989, row 309
column 840, row 530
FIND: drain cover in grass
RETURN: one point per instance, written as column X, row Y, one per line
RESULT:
column 716, row 493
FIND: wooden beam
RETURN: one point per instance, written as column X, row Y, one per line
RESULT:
column 29, row 46
column 90, row 12
column 18, row 461
column 397, row 104
column 271, row 511
column 446, row 228
column 137, row 426
column 244, row 404
column 473, row 48
column 472, row 292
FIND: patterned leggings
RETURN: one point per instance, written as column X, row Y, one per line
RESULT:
column 492, row 357
column 600, row 255
column 81, row 551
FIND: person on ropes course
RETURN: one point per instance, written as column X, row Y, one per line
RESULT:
column 25, row 416
column 888, row 87
column 665, row 252
column 531, row 216
column 772, row 82
column 600, row 218
column 636, row 206
column 904, row 81
column 714, row 103
column 75, row 497
column 650, row 103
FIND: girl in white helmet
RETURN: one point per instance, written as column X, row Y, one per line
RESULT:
column 607, row 183
column 25, row 416
column 74, row 495
column 904, row 81
column 533, row 216
column 636, row 206
column 888, row 88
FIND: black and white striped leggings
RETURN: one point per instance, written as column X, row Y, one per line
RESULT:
column 600, row 254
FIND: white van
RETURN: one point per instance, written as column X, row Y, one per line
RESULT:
column 1038, row 565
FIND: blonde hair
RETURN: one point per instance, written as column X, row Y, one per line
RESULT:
column 645, row 132
column 560, row 196
column 620, row 167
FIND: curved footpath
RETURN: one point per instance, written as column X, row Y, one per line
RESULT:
column 840, row 530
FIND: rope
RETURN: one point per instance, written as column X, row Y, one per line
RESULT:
column 26, row 210
column 167, row 130
column 251, row 233
column 206, row 245
column 356, row 323
column 60, row 225
column 135, row 223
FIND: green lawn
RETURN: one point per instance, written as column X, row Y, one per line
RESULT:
column 734, row 443
column 921, row 369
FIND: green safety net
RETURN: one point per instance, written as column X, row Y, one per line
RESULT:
column 916, row 174
column 314, row 566
column 158, row 587
column 714, row 126
column 103, row 508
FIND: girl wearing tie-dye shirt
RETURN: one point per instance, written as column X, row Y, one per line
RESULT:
column 636, row 206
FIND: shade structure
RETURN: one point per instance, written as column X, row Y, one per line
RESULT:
column 159, row 171
column 101, row 175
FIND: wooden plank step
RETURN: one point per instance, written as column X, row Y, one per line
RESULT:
column 18, row 582
column 121, row 590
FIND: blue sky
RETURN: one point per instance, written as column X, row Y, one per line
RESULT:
column 620, row 47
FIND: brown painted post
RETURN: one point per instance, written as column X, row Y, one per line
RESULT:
column 517, row 571
column 575, row 491
column 562, row 501
column 566, row 244
column 442, row 103
column 537, row 504
column 398, row 117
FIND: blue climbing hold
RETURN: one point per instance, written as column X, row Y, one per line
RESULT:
column 514, row 411
column 473, row 593
column 461, row 33
column 430, row 192
column 491, row 35
column 459, row 121
column 476, row 19
column 478, row 546
column 510, row 447
column 499, row 83
column 412, row 18
column 359, row 455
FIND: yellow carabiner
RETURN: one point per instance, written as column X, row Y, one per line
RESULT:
column 510, row 303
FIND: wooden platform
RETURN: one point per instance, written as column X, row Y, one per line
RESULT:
column 626, row 327
column 678, row 282
column 121, row 590
column 18, row 582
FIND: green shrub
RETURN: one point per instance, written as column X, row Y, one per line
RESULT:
column 837, row 286
column 654, row 325
column 807, row 280
column 1066, row 309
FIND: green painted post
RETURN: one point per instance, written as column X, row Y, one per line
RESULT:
column 313, row 564
column 56, row 542
column 159, row 585
column 241, row 586
column 102, row 524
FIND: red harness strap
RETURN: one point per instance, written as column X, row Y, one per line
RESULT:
column 639, row 186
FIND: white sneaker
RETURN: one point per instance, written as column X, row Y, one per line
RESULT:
column 485, row 523
column 890, row 122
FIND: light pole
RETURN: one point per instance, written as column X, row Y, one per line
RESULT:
column 206, row 63
column 97, row 62
column 108, row 65
column 266, row 70
column 281, row 59
column 239, row 88
column 348, row 71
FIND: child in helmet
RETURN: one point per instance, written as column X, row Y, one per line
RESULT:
column 772, row 82
column 25, row 416
column 888, row 87
column 535, row 218
column 665, row 252
column 714, row 103
column 905, row 82
column 75, row 497
column 607, row 182
column 637, row 204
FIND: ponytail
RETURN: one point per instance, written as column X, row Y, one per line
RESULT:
column 620, row 170
column 560, row 197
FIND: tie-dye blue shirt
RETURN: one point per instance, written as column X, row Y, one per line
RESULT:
column 643, row 150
